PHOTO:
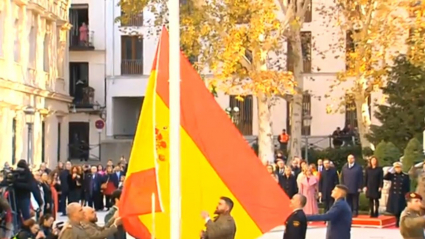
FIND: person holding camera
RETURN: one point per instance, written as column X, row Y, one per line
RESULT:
column 75, row 182
column 30, row 230
column 46, row 225
column 23, row 185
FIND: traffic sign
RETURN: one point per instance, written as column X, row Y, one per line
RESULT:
column 100, row 124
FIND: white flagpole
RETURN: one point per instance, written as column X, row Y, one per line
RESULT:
column 174, row 89
column 153, row 216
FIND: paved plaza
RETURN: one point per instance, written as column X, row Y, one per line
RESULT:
column 315, row 233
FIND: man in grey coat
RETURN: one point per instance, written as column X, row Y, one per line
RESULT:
column 115, row 198
column 352, row 178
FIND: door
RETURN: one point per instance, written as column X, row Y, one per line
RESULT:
column 79, row 135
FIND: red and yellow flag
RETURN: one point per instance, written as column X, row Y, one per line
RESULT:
column 215, row 161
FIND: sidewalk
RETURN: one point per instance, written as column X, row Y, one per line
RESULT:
column 356, row 233
column 314, row 232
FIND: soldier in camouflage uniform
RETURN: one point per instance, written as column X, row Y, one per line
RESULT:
column 412, row 224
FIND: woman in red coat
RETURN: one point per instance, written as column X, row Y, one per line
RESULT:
column 52, row 182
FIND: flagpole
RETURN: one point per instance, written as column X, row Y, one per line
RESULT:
column 174, row 102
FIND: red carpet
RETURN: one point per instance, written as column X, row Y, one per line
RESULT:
column 365, row 221
column 379, row 222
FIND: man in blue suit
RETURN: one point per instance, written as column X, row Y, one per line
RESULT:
column 339, row 216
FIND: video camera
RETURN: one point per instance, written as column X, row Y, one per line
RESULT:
column 11, row 176
column 59, row 225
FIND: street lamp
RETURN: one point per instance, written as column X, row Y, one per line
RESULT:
column 306, row 123
column 29, row 120
column 233, row 113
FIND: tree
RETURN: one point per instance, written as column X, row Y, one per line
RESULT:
column 241, row 43
column 412, row 154
column 387, row 153
column 401, row 117
column 416, row 41
column 373, row 32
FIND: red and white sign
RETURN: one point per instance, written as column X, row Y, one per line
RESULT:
column 99, row 124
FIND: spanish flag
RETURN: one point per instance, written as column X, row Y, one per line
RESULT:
column 215, row 161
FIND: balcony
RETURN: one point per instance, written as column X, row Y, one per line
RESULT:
column 53, row 10
column 131, row 67
column 81, row 42
column 132, row 21
column 84, row 100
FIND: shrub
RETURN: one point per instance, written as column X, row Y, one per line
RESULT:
column 412, row 154
column 337, row 155
column 387, row 153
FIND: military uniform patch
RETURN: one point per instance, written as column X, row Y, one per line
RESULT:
column 296, row 223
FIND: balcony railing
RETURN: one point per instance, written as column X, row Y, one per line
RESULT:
column 133, row 21
column 84, row 100
column 80, row 42
column 131, row 67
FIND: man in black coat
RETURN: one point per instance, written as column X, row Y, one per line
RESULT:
column 400, row 185
column 63, row 177
column 288, row 182
column 296, row 224
column 352, row 177
column 327, row 182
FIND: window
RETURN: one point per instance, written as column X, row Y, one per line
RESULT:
column 351, row 110
column 13, row 141
column 135, row 20
column 350, row 47
column 308, row 16
column 306, row 109
column 80, row 34
column 306, row 53
column 30, row 136
column 415, row 34
column 79, row 84
column 16, row 43
column 131, row 55
column 43, row 141
column 46, row 60
column 78, row 137
column 59, row 141
column 243, row 118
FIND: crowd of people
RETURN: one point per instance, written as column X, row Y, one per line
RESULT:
column 317, row 181
column 37, row 193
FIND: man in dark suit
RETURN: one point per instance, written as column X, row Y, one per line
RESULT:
column 288, row 182
column 352, row 178
column 295, row 166
column 118, row 172
column 296, row 224
column 338, row 217
column 327, row 182
column 280, row 169
column 63, row 177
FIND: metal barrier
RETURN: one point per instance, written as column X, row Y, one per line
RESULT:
column 75, row 151
column 313, row 142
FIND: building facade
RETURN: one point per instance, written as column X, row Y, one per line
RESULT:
column 33, row 91
column 129, row 61
column 87, row 64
